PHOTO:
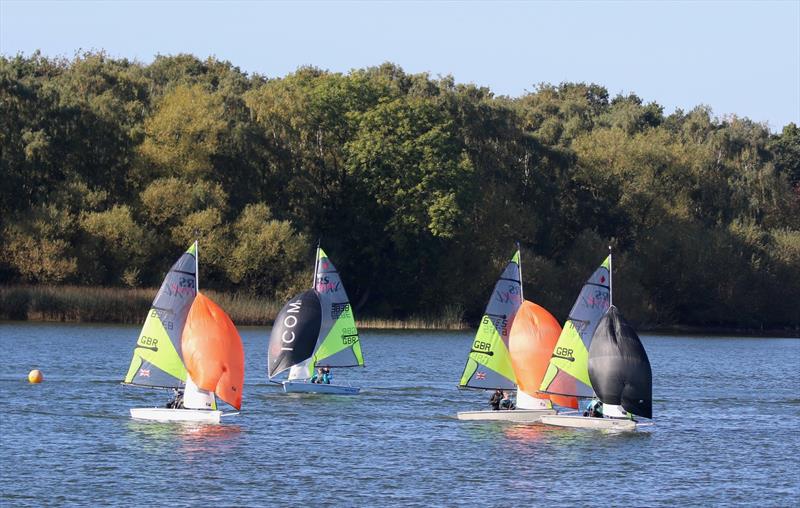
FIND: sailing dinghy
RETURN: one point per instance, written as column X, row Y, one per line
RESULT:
column 615, row 367
column 315, row 329
column 188, row 343
column 511, row 352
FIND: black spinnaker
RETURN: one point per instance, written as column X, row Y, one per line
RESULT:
column 618, row 366
column 294, row 334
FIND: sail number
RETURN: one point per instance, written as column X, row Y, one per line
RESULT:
column 479, row 345
column 162, row 317
column 500, row 323
column 148, row 342
column 564, row 353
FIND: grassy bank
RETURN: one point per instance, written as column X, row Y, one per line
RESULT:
column 119, row 305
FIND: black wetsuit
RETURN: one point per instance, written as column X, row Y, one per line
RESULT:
column 495, row 401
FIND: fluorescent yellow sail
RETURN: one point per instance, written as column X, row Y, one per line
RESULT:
column 338, row 344
column 157, row 357
column 568, row 371
column 489, row 364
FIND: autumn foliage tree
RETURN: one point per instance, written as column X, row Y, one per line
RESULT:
column 417, row 187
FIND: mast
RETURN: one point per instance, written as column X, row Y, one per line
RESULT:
column 610, row 279
column 521, row 289
column 196, row 267
column 316, row 263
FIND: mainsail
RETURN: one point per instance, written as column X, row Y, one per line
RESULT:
column 534, row 334
column 213, row 352
column 339, row 345
column 489, row 363
column 157, row 359
column 568, row 372
column 619, row 369
column 315, row 328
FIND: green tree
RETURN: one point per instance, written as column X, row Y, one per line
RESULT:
column 269, row 255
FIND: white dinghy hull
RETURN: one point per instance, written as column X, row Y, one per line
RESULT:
column 507, row 415
column 303, row 387
column 160, row 414
column 588, row 422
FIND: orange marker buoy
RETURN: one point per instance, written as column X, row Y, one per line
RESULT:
column 35, row 376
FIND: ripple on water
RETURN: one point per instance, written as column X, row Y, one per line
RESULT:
column 724, row 432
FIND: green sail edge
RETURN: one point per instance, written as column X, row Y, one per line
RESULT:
column 342, row 335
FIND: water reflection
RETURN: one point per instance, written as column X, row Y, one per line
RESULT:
column 526, row 432
column 189, row 437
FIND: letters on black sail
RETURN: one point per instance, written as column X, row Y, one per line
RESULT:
column 295, row 331
column 618, row 366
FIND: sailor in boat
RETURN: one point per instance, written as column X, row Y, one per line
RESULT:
column 177, row 400
column 506, row 402
column 495, row 399
column 322, row 376
column 594, row 409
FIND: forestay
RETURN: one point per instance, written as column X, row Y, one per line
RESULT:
column 157, row 359
column 489, row 363
column 568, row 371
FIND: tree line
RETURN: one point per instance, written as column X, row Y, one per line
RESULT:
column 417, row 187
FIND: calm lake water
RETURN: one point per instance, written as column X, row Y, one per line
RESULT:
column 726, row 414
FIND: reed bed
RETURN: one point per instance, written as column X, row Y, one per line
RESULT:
column 123, row 305
column 114, row 305
column 450, row 319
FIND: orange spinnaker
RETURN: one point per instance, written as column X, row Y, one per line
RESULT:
column 213, row 352
column 533, row 336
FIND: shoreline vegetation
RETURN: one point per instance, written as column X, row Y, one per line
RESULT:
column 419, row 188
column 76, row 304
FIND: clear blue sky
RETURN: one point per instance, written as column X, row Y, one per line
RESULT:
column 739, row 58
